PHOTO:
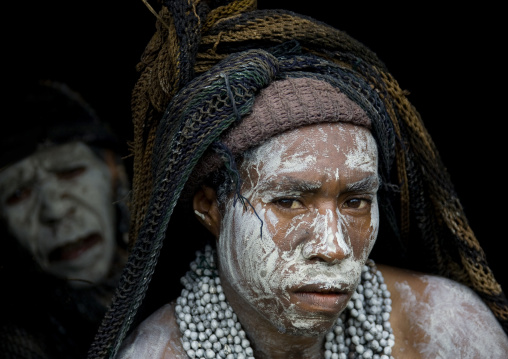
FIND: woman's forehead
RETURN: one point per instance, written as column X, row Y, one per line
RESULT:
column 49, row 157
column 324, row 151
column 304, row 144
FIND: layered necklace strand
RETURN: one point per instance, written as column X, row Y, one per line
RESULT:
column 210, row 327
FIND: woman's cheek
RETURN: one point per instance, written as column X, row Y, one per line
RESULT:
column 363, row 234
column 247, row 252
column 291, row 232
column 270, row 222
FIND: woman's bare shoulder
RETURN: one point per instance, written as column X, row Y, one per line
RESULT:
column 157, row 337
column 438, row 317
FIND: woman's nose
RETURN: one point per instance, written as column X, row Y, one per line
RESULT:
column 328, row 241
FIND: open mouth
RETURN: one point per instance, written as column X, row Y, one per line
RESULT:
column 75, row 249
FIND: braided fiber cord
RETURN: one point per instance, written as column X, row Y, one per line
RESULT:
column 226, row 29
column 195, row 118
column 192, row 37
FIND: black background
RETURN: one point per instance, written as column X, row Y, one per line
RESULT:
column 451, row 60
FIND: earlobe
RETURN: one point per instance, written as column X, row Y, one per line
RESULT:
column 206, row 209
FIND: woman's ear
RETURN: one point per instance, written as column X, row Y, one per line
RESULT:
column 109, row 158
column 206, row 208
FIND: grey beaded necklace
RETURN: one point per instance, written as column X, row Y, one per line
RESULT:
column 210, row 328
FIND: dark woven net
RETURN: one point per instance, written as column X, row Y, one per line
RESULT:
column 201, row 72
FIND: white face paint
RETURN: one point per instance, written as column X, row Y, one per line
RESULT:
column 315, row 190
column 58, row 203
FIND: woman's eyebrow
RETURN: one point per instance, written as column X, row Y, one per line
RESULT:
column 368, row 183
column 288, row 183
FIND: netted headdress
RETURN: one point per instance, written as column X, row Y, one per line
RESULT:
column 200, row 76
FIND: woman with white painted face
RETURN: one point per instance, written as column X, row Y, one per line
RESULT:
column 64, row 239
column 314, row 182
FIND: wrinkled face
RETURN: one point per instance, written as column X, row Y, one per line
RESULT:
column 58, row 204
column 315, row 190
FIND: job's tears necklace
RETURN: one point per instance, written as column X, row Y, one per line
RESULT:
column 210, row 328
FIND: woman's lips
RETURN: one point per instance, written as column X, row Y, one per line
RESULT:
column 75, row 249
column 315, row 298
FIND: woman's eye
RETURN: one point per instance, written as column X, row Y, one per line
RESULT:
column 19, row 195
column 289, row 203
column 70, row 173
column 357, row 203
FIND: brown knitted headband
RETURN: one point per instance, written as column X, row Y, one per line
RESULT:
column 282, row 106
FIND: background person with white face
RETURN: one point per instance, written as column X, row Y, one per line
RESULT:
column 63, row 193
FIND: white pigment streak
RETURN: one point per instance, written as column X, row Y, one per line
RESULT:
column 360, row 156
column 452, row 319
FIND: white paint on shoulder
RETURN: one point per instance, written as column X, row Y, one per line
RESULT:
column 154, row 338
column 455, row 322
